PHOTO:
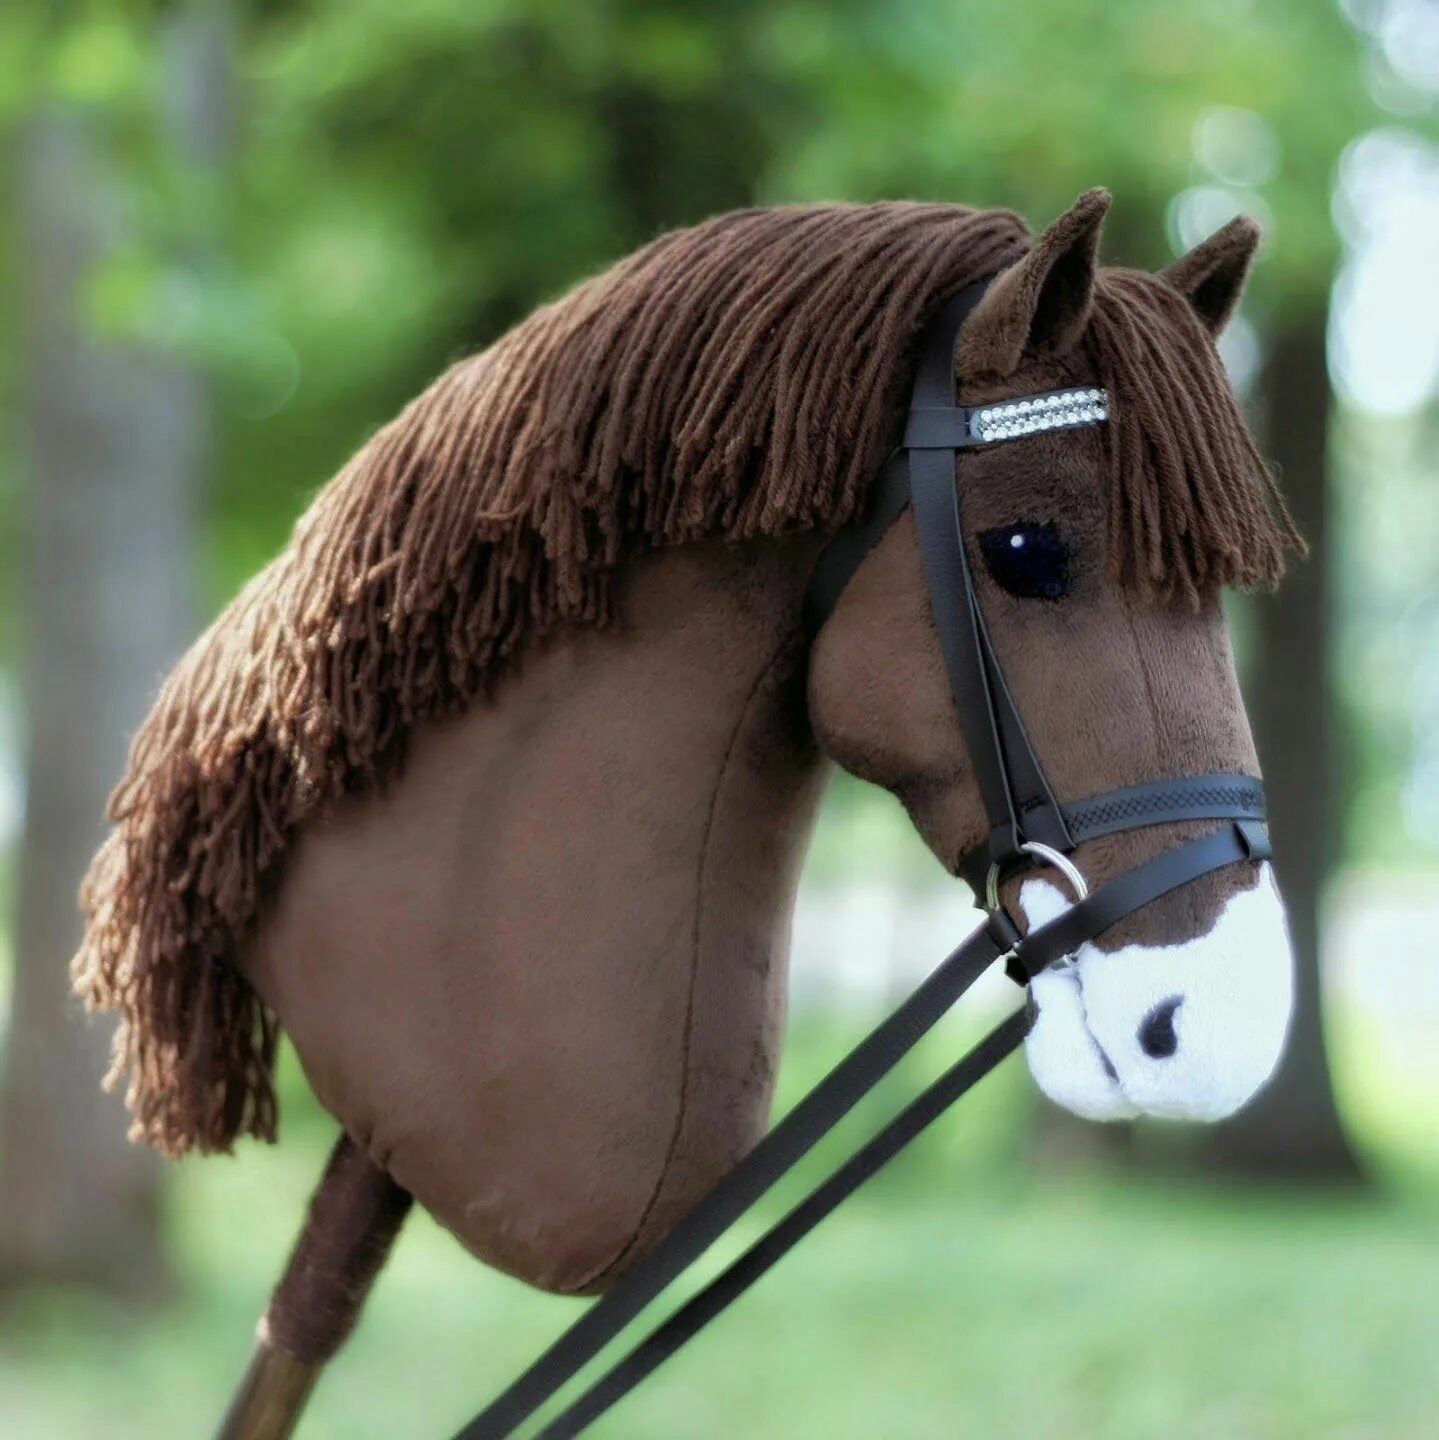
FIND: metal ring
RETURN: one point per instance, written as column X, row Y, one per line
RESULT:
column 1045, row 856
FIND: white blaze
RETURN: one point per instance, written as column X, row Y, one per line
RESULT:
column 1234, row 991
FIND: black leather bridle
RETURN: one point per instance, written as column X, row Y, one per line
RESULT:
column 1027, row 827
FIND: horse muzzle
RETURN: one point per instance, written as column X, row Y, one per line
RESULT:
column 1190, row 1031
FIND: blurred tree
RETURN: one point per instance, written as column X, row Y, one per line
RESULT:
column 418, row 178
column 1293, row 1130
column 115, row 432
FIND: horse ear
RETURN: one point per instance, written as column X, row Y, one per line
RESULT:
column 1211, row 277
column 1041, row 305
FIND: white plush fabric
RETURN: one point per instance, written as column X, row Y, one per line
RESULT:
column 1234, row 992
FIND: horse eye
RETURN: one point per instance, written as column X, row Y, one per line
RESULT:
column 1029, row 560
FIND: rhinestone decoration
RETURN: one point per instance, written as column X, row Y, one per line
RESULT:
column 1058, row 410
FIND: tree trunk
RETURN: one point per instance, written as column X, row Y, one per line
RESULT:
column 115, row 440
column 1293, row 1129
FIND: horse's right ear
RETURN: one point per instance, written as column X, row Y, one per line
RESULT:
column 1041, row 305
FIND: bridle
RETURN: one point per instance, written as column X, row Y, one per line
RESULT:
column 1023, row 813
column 1028, row 827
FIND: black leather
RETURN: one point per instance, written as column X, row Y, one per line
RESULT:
column 1134, row 807
column 888, row 497
column 1242, row 840
column 1016, row 795
column 1162, row 802
column 946, row 428
column 790, row 1140
column 775, row 1243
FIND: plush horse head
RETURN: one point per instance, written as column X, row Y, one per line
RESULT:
column 1100, row 560
column 494, row 787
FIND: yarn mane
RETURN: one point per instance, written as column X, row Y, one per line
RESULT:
column 1192, row 506
column 738, row 379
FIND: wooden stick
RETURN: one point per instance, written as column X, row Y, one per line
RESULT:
column 355, row 1214
column 270, row 1396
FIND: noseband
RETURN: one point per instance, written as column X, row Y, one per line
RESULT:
column 1028, row 827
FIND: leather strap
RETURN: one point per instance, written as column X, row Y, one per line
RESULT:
column 1016, row 795
column 1163, row 802
column 888, row 497
column 1134, row 807
column 1017, row 798
column 1133, row 889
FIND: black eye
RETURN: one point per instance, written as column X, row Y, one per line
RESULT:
column 1030, row 560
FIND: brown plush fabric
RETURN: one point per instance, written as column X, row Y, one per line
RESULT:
column 543, row 981
column 1112, row 691
column 354, row 1216
column 1041, row 306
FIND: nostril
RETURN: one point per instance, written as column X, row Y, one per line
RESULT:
column 1156, row 1031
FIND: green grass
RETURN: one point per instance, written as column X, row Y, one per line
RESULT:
column 961, row 1294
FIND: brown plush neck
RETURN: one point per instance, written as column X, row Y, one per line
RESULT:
column 542, row 979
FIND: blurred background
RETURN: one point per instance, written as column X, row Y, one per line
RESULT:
column 235, row 237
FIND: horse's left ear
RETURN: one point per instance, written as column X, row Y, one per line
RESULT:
column 1211, row 277
column 1040, row 306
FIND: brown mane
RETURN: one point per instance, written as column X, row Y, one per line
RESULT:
column 737, row 379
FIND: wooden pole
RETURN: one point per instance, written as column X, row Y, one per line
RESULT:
column 355, row 1214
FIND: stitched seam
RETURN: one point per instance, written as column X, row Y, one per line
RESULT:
column 1149, row 695
column 680, row 1110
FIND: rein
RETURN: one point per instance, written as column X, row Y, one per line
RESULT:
column 1028, row 827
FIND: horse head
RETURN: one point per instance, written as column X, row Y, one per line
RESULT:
column 1099, row 554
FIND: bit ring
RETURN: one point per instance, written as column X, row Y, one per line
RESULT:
column 1046, row 856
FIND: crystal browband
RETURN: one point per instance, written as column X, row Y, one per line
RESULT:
column 963, row 428
column 1056, row 410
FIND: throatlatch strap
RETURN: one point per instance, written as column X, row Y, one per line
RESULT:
column 813, row 1118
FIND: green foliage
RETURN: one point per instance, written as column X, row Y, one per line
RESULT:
column 922, row 1306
